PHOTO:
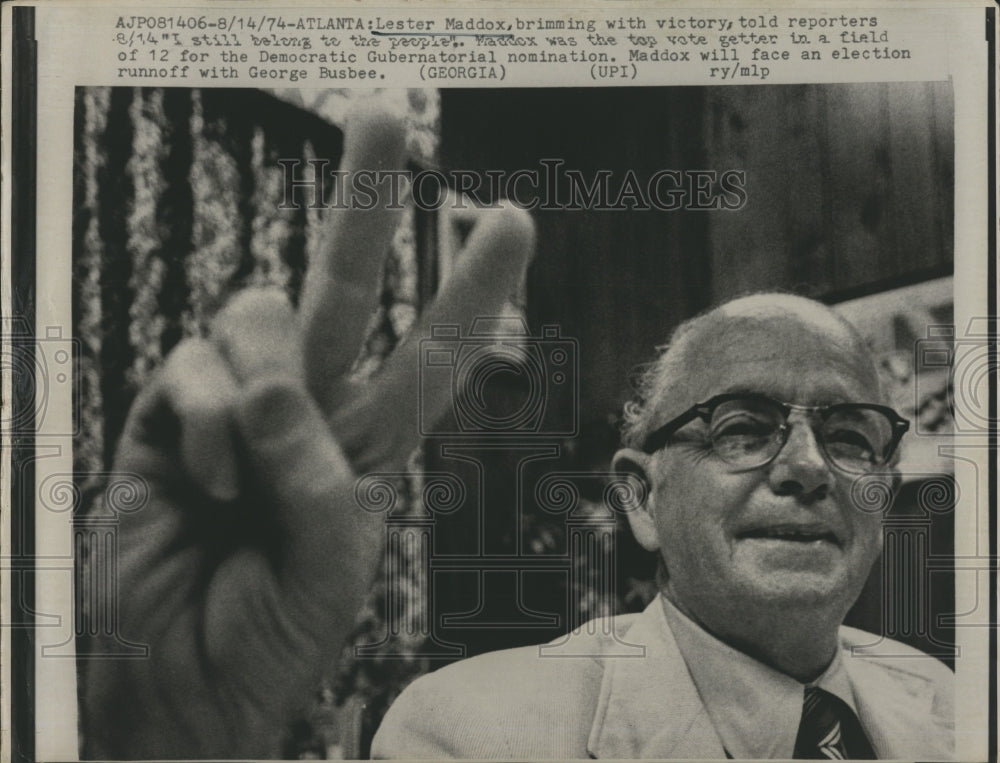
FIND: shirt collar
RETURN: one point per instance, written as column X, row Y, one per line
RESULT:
column 754, row 708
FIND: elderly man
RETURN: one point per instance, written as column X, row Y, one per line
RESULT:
column 244, row 570
column 749, row 431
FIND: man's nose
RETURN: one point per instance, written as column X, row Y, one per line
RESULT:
column 800, row 468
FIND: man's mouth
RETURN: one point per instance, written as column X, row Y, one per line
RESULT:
column 791, row 533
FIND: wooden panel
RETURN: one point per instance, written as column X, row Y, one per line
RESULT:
column 848, row 186
column 808, row 265
column 743, row 249
column 857, row 186
column 942, row 120
column 777, row 239
column 913, row 193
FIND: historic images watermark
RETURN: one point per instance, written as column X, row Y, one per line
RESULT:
column 548, row 186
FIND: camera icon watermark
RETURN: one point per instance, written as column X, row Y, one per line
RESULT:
column 952, row 379
column 44, row 368
column 541, row 372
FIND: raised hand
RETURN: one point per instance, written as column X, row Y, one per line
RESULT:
column 245, row 569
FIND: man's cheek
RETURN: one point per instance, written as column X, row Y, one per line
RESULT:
column 875, row 538
column 868, row 527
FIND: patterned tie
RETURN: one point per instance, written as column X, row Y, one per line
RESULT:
column 829, row 729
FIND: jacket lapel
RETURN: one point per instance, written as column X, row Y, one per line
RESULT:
column 648, row 706
column 896, row 705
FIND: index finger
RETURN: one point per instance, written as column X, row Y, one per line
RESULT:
column 341, row 285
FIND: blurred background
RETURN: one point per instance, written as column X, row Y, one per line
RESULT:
column 849, row 199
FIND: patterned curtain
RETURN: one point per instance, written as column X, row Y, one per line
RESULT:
column 176, row 207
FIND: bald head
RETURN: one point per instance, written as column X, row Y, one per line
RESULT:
column 786, row 330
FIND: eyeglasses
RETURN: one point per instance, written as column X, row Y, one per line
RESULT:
column 748, row 431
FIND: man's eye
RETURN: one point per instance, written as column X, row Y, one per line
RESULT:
column 850, row 443
column 740, row 436
column 743, row 426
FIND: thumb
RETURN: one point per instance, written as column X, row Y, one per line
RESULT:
column 329, row 546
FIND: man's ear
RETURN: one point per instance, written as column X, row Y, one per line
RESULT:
column 640, row 518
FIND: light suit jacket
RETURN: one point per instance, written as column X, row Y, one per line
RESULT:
column 580, row 700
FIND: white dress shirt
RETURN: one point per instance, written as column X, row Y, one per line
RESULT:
column 754, row 708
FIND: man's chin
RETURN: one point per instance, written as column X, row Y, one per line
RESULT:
column 815, row 572
column 774, row 585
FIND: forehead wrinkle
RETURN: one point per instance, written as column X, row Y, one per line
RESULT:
column 808, row 326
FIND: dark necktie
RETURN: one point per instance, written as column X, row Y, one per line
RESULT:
column 829, row 729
